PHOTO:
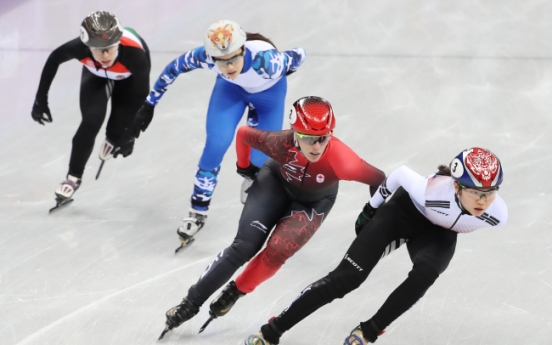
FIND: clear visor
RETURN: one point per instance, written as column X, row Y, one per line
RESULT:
column 479, row 194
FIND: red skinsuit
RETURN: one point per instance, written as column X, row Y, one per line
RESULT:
column 307, row 182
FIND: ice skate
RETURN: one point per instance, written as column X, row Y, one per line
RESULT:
column 256, row 339
column 106, row 152
column 191, row 226
column 65, row 192
column 245, row 189
column 176, row 316
column 223, row 303
column 356, row 337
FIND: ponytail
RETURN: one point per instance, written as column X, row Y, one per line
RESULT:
column 444, row 170
column 258, row 37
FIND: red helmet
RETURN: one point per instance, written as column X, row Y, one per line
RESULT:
column 312, row 115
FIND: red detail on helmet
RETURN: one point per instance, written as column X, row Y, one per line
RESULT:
column 483, row 165
column 105, row 36
column 312, row 115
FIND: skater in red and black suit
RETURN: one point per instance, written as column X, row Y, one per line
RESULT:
column 428, row 212
column 289, row 199
column 116, row 65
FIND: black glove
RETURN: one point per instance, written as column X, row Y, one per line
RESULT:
column 364, row 217
column 249, row 173
column 142, row 119
column 41, row 112
column 125, row 145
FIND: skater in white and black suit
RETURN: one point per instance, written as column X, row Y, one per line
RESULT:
column 116, row 64
column 427, row 211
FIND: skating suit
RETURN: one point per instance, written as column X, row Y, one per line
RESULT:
column 423, row 210
column 126, row 82
column 262, row 83
column 291, row 196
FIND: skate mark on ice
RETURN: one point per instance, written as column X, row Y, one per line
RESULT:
column 32, row 339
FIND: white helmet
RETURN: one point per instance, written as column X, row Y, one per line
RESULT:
column 223, row 37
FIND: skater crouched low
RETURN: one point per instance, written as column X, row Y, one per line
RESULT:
column 427, row 211
column 289, row 198
column 116, row 65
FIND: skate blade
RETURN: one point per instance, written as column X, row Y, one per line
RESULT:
column 100, row 169
column 184, row 244
column 211, row 318
column 60, row 205
column 167, row 328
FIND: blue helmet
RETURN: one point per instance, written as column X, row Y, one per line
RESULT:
column 477, row 168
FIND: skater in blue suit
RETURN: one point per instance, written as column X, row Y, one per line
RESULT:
column 251, row 75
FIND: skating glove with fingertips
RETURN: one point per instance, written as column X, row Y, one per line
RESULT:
column 364, row 217
column 41, row 112
column 249, row 173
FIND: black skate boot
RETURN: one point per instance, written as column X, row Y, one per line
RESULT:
column 179, row 314
column 191, row 226
column 223, row 303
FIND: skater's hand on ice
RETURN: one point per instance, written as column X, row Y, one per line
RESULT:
column 364, row 217
column 41, row 112
column 142, row 119
column 249, row 173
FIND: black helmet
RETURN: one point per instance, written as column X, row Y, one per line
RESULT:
column 100, row 29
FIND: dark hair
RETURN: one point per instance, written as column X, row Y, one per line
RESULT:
column 444, row 170
column 258, row 37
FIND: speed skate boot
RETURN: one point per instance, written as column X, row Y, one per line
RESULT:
column 355, row 338
column 192, row 224
column 370, row 334
column 223, row 303
column 106, row 152
column 65, row 192
column 257, row 339
column 246, row 185
column 269, row 335
column 176, row 316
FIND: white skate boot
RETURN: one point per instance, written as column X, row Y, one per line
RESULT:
column 65, row 192
column 68, row 187
column 192, row 224
column 245, row 189
column 106, row 152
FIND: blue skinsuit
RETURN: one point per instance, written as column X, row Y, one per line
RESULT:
column 262, row 85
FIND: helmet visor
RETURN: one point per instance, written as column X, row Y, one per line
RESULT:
column 313, row 139
column 476, row 193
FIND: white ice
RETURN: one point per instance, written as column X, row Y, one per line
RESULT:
column 412, row 83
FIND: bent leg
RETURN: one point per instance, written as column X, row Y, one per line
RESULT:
column 93, row 105
column 291, row 234
column 226, row 108
column 431, row 253
column 361, row 257
column 125, row 102
column 265, row 205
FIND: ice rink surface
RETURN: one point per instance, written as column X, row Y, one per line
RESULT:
column 412, row 83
